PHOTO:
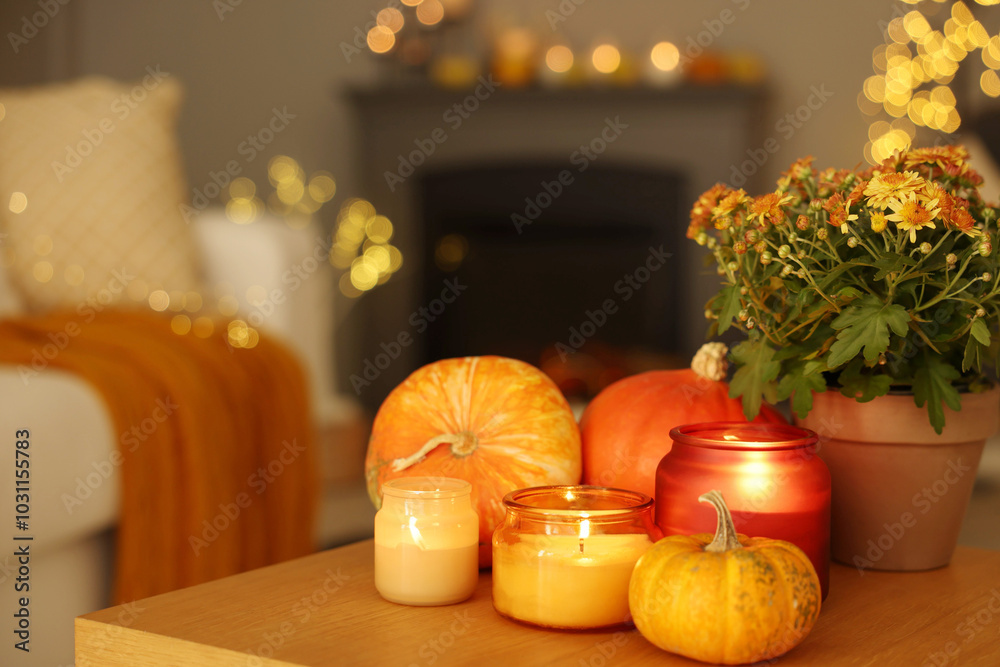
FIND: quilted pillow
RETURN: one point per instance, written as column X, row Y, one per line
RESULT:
column 91, row 185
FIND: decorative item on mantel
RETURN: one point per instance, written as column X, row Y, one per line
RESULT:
column 563, row 556
column 775, row 484
column 881, row 286
column 426, row 541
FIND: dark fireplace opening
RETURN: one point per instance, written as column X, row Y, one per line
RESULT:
column 578, row 272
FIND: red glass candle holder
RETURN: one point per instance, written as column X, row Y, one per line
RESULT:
column 769, row 474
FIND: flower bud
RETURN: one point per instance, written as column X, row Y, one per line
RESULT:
column 766, row 257
column 980, row 312
column 751, row 236
column 801, row 254
column 785, row 270
column 712, row 243
column 723, row 222
column 784, row 251
column 793, row 237
column 821, row 234
column 743, row 315
column 987, row 276
column 852, row 242
column 925, row 248
column 760, row 246
column 744, row 290
column 740, row 248
column 816, row 205
column 701, row 238
column 802, row 223
column 985, row 248
column 732, row 266
column 952, row 259
column 751, row 323
column 708, row 314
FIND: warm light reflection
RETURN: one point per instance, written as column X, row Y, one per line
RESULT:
column 42, row 272
column 430, row 12
column 665, row 56
column 559, row 58
column 381, row 39
column 606, row 58
column 391, row 18
column 159, row 300
column 18, row 202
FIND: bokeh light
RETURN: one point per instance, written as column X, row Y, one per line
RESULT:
column 665, row 56
column 559, row 58
column 606, row 58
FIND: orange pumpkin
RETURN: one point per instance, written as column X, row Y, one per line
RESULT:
column 499, row 423
column 728, row 599
column 626, row 428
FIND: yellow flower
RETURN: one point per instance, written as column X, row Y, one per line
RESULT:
column 887, row 186
column 878, row 221
column 912, row 213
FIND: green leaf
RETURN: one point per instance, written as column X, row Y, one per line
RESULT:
column 800, row 383
column 973, row 355
column 865, row 325
column 755, row 376
column 861, row 386
column 932, row 386
column 892, row 263
column 730, row 306
column 981, row 331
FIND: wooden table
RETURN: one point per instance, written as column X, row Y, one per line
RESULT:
column 324, row 610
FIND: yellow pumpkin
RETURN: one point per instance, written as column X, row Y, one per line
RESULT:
column 728, row 599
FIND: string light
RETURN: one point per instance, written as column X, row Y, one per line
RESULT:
column 914, row 71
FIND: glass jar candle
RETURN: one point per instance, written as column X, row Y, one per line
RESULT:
column 426, row 541
column 773, row 482
column 563, row 556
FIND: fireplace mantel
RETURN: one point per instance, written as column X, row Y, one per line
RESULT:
column 700, row 131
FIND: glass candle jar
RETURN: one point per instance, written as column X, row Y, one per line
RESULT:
column 563, row 556
column 426, row 541
column 772, row 480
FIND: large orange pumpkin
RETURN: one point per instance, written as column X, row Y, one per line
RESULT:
column 626, row 428
column 499, row 423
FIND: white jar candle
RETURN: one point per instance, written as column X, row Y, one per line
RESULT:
column 426, row 541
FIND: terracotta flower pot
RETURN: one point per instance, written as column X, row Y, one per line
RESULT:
column 899, row 489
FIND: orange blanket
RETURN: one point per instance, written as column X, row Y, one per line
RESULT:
column 215, row 442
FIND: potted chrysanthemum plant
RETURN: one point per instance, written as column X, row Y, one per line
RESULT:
column 871, row 300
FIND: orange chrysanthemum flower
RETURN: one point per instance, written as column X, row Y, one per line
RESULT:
column 701, row 212
column 768, row 207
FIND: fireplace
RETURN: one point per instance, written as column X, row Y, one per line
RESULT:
column 551, row 261
column 648, row 153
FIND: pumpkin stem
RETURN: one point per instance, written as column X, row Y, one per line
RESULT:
column 710, row 361
column 462, row 444
column 725, row 532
